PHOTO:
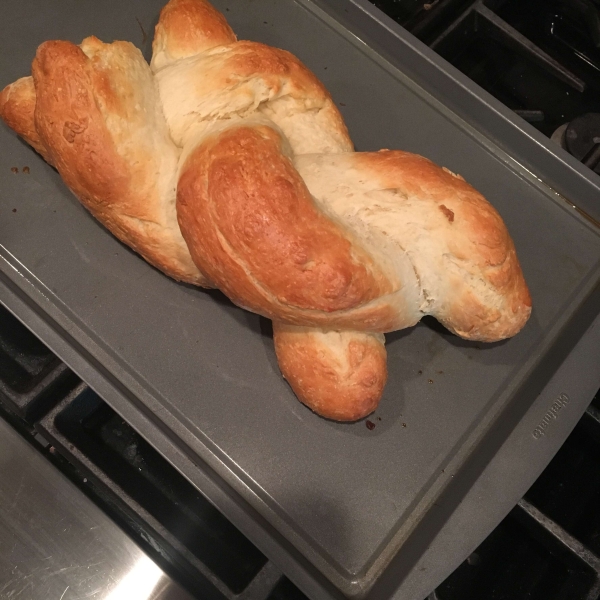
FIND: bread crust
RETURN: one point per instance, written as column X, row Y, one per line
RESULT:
column 251, row 225
column 480, row 256
column 241, row 79
column 461, row 252
column 17, row 106
column 339, row 375
column 97, row 113
column 186, row 28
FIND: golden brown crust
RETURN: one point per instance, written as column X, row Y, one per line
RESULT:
column 116, row 173
column 17, row 107
column 188, row 27
column 339, row 375
column 480, row 246
column 457, row 245
column 251, row 225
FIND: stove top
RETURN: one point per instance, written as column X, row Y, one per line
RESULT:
column 541, row 58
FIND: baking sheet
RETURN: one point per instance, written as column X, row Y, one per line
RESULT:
column 203, row 372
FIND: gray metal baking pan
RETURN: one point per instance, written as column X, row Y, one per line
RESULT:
column 462, row 429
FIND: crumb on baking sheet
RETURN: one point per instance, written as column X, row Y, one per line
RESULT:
column 14, row 169
column 370, row 425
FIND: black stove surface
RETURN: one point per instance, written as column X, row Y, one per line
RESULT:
column 541, row 58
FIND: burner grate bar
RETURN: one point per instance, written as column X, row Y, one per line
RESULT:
column 570, row 544
column 479, row 17
column 463, row 24
column 507, row 33
column 531, row 116
column 163, row 544
column 591, row 421
column 263, row 584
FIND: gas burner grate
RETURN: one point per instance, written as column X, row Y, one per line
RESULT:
column 547, row 548
column 549, row 545
column 521, row 560
column 31, row 377
column 286, row 590
column 568, row 491
column 541, row 58
column 151, row 492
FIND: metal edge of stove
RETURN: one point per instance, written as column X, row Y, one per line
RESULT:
column 167, row 545
column 78, row 550
column 62, row 339
column 545, row 161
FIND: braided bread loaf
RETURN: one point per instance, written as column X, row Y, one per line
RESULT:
column 226, row 164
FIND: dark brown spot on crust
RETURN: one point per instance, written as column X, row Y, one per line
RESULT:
column 72, row 128
column 447, row 212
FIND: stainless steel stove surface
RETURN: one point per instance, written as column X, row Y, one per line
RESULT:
column 542, row 59
column 55, row 543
